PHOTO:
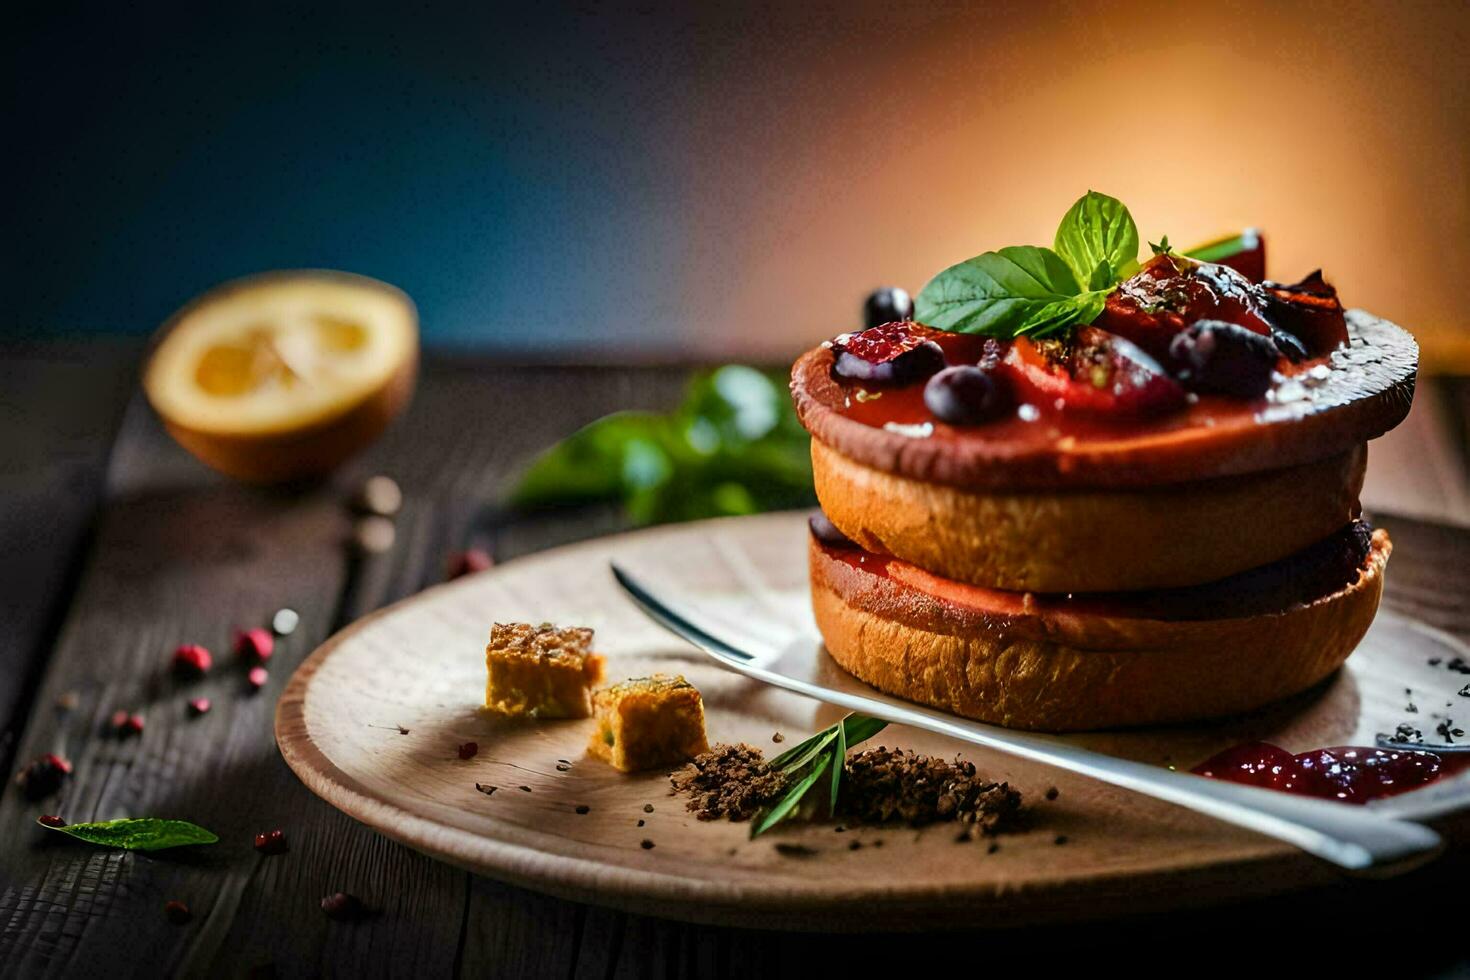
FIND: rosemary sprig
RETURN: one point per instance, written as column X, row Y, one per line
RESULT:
column 807, row 762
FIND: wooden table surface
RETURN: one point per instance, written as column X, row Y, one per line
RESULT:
column 118, row 547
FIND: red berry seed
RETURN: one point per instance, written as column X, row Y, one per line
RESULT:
column 271, row 843
column 118, row 722
column 192, row 660
column 177, row 912
column 466, row 562
column 257, row 677
column 257, row 644
column 468, row 750
column 343, row 907
column 133, row 726
column 43, row 776
column 198, row 706
column 50, row 820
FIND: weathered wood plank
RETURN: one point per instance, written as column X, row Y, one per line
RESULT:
column 181, row 555
column 60, row 403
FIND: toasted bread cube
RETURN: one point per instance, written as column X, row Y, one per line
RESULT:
column 541, row 671
column 648, row 722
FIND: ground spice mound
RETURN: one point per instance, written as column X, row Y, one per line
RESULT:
column 878, row 786
column 885, row 784
column 728, row 781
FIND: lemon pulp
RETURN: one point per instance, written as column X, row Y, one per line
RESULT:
column 280, row 352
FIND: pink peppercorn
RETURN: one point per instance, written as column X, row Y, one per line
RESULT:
column 271, row 843
column 192, row 660
column 257, row 677
column 198, row 706
column 257, row 644
column 466, row 562
column 43, row 776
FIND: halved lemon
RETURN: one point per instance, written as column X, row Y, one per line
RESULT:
column 284, row 375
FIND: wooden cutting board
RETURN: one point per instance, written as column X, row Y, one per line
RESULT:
column 372, row 722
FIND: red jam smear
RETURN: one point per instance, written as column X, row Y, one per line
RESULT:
column 1315, row 571
column 1346, row 773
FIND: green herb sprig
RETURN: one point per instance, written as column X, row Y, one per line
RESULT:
column 1026, row 290
column 732, row 447
column 806, row 765
column 137, row 833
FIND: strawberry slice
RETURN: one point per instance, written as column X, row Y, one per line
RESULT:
column 892, row 353
column 1170, row 292
column 1096, row 373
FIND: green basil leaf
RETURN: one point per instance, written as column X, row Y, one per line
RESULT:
column 733, row 446
column 793, row 796
column 1099, row 241
column 1082, row 308
column 596, row 462
column 996, row 293
column 138, row 833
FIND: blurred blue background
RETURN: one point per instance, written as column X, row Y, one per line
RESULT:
column 495, row 167
column 590, row 183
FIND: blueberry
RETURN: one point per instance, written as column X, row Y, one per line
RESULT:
column 887, row 305
column 911, row 365
column 965, row 395
column 1224, row 358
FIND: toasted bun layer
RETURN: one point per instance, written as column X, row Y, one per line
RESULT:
column 1367, row 392
column 1006, row 659
column 1090, row 540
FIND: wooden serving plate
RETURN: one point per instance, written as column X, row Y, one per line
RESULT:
column 373, row 719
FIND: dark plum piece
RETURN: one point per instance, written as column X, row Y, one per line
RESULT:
column 966, row 395
column 887, row 305
column 893, row 353
column 1215, row 356
column 826, row 532
column 1309, row 311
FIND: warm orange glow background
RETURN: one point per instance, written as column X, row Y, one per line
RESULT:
column 823, row 153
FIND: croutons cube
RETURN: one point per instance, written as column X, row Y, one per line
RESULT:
column 541, row 671
column 648, row 722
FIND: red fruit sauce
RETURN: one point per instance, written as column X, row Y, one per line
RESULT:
column 1042, row 420
column 1347, row 773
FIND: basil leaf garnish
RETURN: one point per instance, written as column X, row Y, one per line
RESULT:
column 1098, row 239
column 734, row 446
column 138, row 833
column 1027, row 290
column 1019, row 289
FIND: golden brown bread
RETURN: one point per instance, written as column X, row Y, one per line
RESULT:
column 1090, row 540
column 1021, row 667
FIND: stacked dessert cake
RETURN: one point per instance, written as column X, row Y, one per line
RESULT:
column 1149, row 516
